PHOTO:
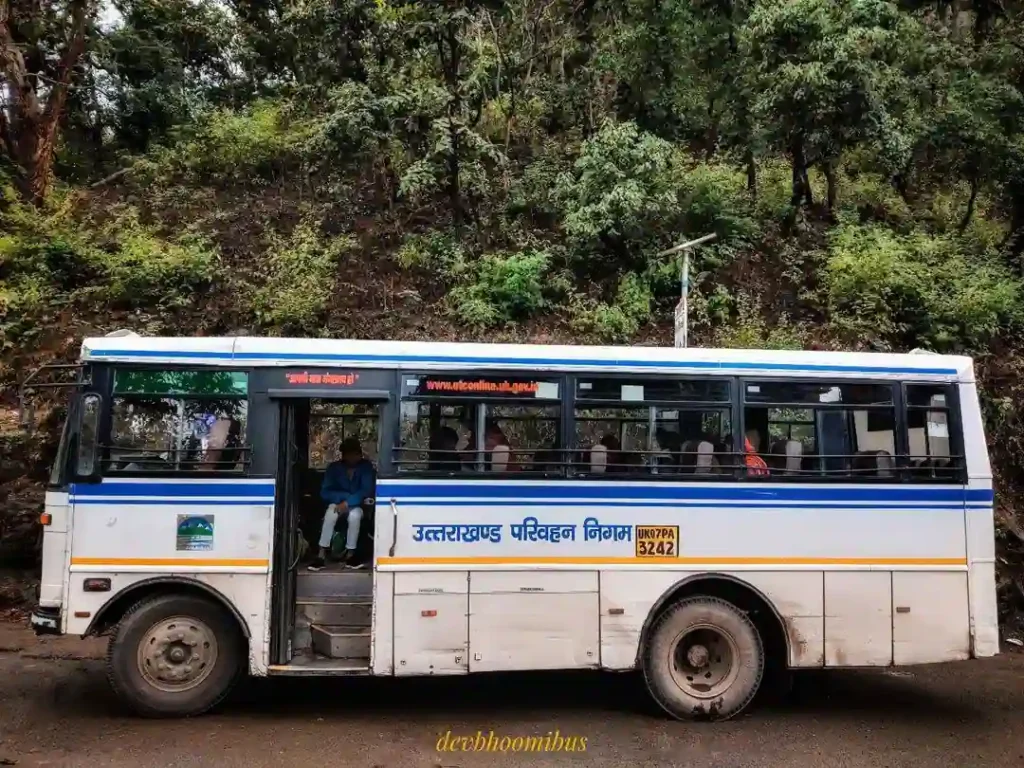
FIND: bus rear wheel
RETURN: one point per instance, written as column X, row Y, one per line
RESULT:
column 703, row 659
column 174, row 656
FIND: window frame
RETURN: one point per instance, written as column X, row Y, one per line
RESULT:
column 954, row 423
column 847, row 408
column 396, row 469
column 246, row 447
column 728, row 406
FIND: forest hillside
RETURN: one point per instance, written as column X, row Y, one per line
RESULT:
column 509, row 170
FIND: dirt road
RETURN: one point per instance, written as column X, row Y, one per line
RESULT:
column 56, row 709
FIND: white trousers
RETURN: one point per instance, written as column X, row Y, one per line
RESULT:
column 355, row 517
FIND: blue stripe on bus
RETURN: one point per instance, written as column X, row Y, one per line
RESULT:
column 681, row 504
column 734, row 493
column 512, row 361
column 174, row 490
column 175, row 502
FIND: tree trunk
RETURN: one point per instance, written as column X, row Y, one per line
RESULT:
column 29, row 127
column 829, row 169
column 801, row 187
column 969, row 213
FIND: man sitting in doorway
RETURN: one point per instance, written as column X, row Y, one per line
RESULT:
column 346, row 484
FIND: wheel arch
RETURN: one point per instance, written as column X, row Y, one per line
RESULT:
column 118, row 605
column 744, row 595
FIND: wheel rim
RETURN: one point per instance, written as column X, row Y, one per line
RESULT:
column 704, row 661
column 177, row 654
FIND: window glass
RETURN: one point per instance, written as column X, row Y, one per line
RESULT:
column 652, row 390
column 152, row 382
column 60, row 461
column 852, row 393
column 651, row 440
column 331, row 422
column 88, row 435
column 478, row 437
column 832, row 430
column 166, row 434
column 928, row 432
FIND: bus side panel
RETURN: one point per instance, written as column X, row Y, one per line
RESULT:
column 627, row 598
column 55, row 537
column 980, row 523
column 218, row 532
column 246, row 592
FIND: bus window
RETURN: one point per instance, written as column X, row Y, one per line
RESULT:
column 835, row 430
column 653, row 426
column 452, row 423
column 178, row 420
column 928, row 433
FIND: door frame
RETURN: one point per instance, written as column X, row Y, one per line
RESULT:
column 285, row 573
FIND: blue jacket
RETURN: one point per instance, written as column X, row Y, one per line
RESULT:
column 339, row 487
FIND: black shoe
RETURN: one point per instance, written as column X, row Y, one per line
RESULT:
column 356, row 566
column 347, row 557
column 317, row 565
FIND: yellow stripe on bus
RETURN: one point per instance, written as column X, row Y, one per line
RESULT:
column 671, row 561
column 171, row 561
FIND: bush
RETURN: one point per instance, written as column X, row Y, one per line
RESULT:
column 619, row 321
column 142, row 268
column 623, row 195
column 49, row 260
column 917, row 290
column 257, row 141
column 502, row 287
column 298, row 278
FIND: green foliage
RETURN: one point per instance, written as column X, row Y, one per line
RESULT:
column 298, row 278
column 261, row 140
column 623, row 191
column 747, row 327
column 621, row 320
column 501, row 287
column 49, row 261
column 143, row 269
column 917, row 290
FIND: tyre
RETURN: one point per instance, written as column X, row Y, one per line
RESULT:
column 703, row 659
column 175, row 656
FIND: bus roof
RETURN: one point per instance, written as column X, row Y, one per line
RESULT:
column 243, row 351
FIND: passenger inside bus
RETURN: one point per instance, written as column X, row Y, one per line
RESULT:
column 497, row 452
column 756, row 466
column 444, row 450
column 346, row 484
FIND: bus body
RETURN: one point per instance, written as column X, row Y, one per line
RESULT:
column 705, row 516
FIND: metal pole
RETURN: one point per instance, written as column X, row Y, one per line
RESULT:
column 686, row 297
column 684, row 285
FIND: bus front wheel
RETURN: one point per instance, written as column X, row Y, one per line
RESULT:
column 174, row 656
column 703, row 659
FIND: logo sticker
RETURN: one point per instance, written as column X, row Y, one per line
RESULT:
column 195, row 533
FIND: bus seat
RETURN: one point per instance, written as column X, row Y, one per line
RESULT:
column 794, row 452
column 598, row 459
column 885, row 464
column 705, row 457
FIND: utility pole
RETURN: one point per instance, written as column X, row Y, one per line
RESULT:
column 682, row 322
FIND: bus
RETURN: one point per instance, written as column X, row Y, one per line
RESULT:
column 710, row 518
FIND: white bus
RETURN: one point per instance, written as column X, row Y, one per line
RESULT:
column 703, row 516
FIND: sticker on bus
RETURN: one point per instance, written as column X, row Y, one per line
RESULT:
column 657, row 541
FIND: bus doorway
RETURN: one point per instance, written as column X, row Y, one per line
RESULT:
column 323, row 610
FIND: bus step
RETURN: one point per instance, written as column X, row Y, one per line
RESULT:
column 341, row 641
column 334, row 584
column 335, row 611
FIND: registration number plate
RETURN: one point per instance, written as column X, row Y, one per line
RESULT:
column 657, row 541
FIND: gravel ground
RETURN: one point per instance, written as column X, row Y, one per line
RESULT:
column 56, row 709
